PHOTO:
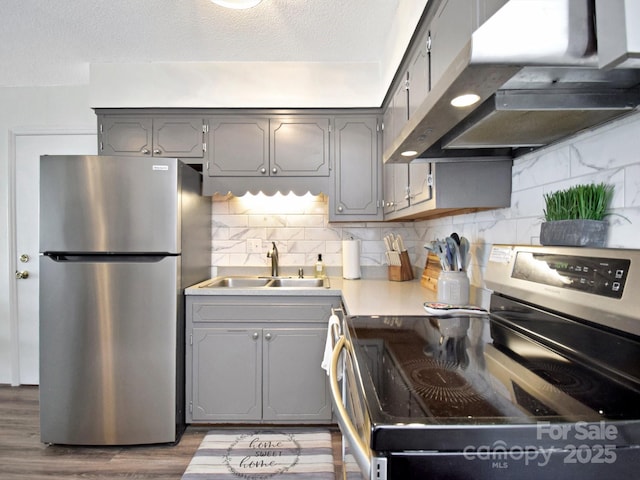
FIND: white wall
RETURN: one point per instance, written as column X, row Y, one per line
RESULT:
column 29, row 109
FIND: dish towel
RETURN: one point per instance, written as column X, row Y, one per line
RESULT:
column 328, row 347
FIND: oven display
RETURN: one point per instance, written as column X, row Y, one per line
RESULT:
column 598, row 276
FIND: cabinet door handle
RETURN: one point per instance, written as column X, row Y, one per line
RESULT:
column 146, row 151
column 267, row 337
column 263, row 170
column 274, row 170
column 255, row 335
column 157, row 152
column 340, row 208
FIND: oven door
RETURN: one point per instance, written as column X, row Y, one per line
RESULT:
column 359, row 462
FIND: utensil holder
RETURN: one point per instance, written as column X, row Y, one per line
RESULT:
column 402, row 272
column 453, row 287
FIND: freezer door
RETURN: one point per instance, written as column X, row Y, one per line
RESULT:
column 109, row 204
column 111, row 352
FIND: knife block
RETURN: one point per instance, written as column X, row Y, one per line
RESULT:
column 402, row 272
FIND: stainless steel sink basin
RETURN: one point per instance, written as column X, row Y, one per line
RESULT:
column 238, row 282
column 270, row 282
column 298, row 282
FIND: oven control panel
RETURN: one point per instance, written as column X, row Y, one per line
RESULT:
column 598, row 276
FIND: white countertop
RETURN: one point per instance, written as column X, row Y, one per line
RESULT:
column 360, row 297
column 383, row 297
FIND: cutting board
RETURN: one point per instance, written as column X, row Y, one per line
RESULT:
column 431, row 272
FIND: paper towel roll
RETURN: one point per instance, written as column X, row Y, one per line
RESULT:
column 351, row 259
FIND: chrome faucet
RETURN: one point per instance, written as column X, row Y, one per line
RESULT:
column 273, row 255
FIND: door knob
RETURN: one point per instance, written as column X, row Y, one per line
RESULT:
column 255, row 335
column 267, row 336
column 22, row 275
column 24, row 258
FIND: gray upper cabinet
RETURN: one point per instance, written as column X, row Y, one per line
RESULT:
column 238, row 146
column 411, row 90
column 179, row 136
column 420, row 183
column 444, row 187
column 358, row 179
column 288, row 146
column 406, row 185
column 299, row 146
column 451, row 29
column 396, row 187
column 419, row 73
column 397, row 113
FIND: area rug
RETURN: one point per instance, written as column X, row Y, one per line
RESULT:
column 270, row 454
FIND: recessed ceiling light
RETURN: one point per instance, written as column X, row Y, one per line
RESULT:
column 237, row 4
column 465, row 100
column 409, row 153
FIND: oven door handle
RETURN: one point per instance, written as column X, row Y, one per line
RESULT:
column 361, row 452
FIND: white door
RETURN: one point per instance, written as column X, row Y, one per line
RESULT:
column 28, row 148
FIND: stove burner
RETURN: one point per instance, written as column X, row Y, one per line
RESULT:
column 564, row 378
column 439, row 381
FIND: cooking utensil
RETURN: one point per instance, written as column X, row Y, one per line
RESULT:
column 464, row 252
column 453, row 254
column 440, row 250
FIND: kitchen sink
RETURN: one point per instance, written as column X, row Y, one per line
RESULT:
column 239, row 282
column 298, row 282
column 271, row 282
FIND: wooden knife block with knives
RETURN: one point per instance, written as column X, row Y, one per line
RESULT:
column 400, row 269
column 402, row 272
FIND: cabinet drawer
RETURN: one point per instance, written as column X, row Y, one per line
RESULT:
column 253, row 309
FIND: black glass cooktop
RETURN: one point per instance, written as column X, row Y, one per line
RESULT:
column 516, row 367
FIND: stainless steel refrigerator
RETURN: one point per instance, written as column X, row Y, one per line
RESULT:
column 120, row 238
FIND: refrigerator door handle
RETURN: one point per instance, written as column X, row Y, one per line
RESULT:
column 109, row 257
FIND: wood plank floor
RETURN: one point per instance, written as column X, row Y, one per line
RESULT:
column 24, row 457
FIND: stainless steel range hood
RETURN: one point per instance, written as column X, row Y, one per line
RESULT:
column 534, row 65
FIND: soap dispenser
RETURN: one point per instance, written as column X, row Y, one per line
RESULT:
column 319, row 270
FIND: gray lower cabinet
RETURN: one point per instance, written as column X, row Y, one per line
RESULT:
column 170, row 136
column 357, row 187
column 257, row 359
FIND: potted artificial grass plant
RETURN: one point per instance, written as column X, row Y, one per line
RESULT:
column 575, row 216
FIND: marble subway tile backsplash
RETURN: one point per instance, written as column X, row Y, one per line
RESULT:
column 299, row 226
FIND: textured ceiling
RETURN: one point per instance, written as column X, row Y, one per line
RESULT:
column 46, row 42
